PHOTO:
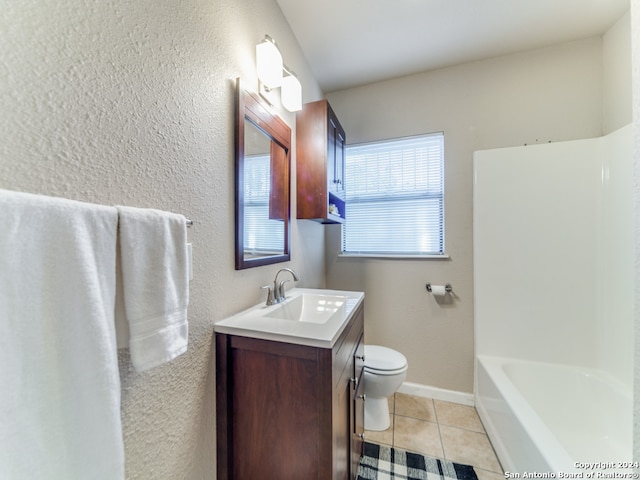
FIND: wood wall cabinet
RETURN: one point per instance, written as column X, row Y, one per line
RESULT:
column 320, row 153
column 290, row 412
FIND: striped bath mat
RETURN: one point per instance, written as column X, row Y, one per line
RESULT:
column 380, row 462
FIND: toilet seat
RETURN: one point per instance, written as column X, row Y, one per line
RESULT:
column 384, row 361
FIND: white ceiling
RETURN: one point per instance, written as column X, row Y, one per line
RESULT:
column 355, row 42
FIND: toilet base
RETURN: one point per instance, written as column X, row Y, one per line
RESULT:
column 376, row 414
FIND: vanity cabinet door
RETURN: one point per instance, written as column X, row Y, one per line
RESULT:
column 272, row 419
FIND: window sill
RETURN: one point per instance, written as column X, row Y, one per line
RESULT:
column 394, row 256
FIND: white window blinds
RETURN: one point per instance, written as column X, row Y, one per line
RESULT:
column 395, row 197
column 261, row 235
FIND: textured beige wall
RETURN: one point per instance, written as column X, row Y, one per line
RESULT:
column 549, row 94
column 131, row 102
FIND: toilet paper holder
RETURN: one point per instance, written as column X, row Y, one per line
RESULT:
column 448, row 288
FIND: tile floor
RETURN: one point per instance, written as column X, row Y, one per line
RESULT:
column 439, row 429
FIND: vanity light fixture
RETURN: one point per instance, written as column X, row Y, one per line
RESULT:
column 269, row 63
column 291, row 92
column 272, row 74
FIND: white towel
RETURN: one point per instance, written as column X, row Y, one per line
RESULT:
column 59, row 380
column 153, row 251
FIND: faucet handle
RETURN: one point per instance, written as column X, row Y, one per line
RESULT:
column 281, row 290
column 270, row 299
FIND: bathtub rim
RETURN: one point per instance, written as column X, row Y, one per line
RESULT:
column 548, row 446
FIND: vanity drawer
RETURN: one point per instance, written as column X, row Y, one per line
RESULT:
column 358, row 358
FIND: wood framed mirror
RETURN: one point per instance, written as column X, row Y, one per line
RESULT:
column 262, row 165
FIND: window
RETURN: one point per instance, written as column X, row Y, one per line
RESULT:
column 395, row 197
column 261, row 235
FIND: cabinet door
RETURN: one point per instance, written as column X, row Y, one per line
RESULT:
column 340, row 154
column 335, row 157
column 273, row 410
column 332, row 173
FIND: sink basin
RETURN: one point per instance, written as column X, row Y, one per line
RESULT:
column 309, row 307
column 309, row 316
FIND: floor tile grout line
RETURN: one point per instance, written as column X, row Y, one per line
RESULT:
column 393, row 419
column 435, row 414
column 466, row 429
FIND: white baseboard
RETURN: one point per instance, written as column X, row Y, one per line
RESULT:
column 437, row 393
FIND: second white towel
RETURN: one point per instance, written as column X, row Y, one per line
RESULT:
column 155, row 280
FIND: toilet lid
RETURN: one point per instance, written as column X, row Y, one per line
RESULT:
column 383, row 358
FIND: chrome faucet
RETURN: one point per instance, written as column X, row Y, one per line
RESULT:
column 277, row 294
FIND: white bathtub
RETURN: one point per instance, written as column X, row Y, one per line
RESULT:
column 549, row 418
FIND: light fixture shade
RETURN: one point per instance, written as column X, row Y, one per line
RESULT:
column 291, row 93
column 269, row 63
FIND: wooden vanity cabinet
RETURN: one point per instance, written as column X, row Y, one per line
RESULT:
column 320, row 154
column 287, row 411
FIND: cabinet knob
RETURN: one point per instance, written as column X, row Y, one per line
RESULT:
column 360, row 435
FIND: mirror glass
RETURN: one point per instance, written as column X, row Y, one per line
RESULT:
column 262, row 184
column 264, row 226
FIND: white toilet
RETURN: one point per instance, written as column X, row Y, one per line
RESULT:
column 384, row 371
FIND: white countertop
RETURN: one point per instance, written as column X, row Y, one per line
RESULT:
column 254, row 323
